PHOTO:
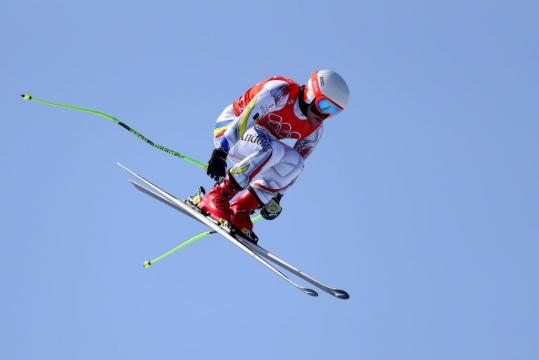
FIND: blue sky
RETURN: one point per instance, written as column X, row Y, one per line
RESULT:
column 421, row 199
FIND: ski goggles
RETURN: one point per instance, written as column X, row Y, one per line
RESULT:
column 327, row 107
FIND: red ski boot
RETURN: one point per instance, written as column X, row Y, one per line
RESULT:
column 216, row 202
column 243, row 206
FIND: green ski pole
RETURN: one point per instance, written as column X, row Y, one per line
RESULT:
column 195, row 238
column 149, row 263
column 29, row 97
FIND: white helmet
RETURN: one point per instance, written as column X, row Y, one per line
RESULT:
column 328, row 90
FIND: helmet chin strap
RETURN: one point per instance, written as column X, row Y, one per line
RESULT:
column 302, row 104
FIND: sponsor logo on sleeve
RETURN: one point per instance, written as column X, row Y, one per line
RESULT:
column 280, row 95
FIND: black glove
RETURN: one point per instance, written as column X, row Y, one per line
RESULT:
column 217, row 164
column 272, row 209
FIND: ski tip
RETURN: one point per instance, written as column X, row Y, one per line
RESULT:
column 125, row 168
column 310, row 292
column 341, row 294
column 147, row 264
column 26, row 96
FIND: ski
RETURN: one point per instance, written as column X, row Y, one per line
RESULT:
column 338, row 293
column 221, row 229
column 162, row 199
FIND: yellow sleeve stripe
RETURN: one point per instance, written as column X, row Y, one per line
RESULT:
column 220, row 131
column 245, row 117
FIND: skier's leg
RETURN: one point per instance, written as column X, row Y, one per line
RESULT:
column 250, row 155
column 273, row 175
column 255, row 152
column 281, row 176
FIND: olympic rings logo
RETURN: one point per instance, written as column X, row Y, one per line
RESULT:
column 284, row 129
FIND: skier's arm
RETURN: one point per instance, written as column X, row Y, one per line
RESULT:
column 272, row 209
column 306, row 146
column 258, row 107
column 217, row 165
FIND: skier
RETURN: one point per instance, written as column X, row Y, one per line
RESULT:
column 248, row 133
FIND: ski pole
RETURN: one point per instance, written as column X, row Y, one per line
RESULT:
column 149, row 263
column 29, row 97
column 195, row 238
